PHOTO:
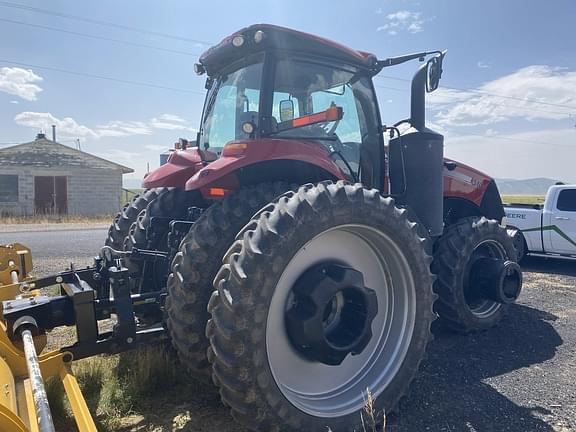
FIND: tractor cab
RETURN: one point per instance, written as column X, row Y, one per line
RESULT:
column 289, row 94
column 279, row 85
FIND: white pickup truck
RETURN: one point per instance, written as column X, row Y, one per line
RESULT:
column 545, row 229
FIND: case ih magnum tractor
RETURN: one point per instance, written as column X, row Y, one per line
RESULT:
column 309, row 258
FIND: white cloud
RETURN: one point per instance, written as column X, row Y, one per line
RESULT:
column 19, row 82
column 171, row 122
column 123, row 128
column 156, row 147
column 543, row 153
column 483, row 65
column 15, row 102
column 67, row 127
column 533, row 83
column 404, row 20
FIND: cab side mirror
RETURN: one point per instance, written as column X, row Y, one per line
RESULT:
column 434, row 72
column 286, row 110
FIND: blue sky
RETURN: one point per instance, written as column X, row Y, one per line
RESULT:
column 508, row 105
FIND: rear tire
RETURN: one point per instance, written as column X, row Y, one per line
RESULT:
column 124, row 219
column 458, row 307
column 262, row 375
column 196, row 265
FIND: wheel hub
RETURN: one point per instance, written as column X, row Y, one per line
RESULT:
column 331, row 313
column 500, row 280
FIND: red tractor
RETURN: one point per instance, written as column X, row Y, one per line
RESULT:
column 310, row 257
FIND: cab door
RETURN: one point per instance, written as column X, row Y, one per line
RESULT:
column 563, row 224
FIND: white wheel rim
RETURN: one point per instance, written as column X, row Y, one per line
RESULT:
column 333, row 391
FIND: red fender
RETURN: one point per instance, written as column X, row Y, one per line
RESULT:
column 181, row 165
column 240, row 154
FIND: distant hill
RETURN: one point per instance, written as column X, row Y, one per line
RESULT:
column 535, row 186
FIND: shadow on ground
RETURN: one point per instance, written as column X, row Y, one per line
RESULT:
column 454, row 392
column 557, row 266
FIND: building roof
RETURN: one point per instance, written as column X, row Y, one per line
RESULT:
column 44, row 153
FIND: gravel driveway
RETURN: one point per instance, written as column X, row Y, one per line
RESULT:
column 520, row 376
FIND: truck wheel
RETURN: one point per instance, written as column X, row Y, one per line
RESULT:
column 124, row 219
column 326, row 294
column 519, row 242
column 172, row 203
column 461, row 305
column 196, row 265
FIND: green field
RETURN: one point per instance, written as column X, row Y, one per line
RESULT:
column 523, row 199
column 128, row 194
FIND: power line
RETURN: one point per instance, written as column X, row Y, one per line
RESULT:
column 102, row 77
column 100, row 22
column 502, row 138
column 86, row 35
column 176, row 37
column 487, row 103
column 487, row 93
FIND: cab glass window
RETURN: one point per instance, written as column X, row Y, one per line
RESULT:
column 234, row 101
column 567, row 200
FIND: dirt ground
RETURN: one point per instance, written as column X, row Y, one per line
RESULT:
column 520, row 376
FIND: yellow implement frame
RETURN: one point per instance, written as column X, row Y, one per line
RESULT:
column 17, row 407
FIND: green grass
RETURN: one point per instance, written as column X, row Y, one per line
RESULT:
column 114, row 386
column 128, row 194
column 523, row 199
column 6, row 219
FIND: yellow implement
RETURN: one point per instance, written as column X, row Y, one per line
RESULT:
column 23, row 403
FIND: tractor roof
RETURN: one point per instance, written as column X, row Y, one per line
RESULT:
column 281, row 39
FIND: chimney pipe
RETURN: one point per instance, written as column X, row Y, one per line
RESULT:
column 54, row 133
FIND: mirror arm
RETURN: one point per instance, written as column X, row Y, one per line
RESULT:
column 393, row 61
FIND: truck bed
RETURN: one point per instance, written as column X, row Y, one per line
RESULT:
column 525, row 206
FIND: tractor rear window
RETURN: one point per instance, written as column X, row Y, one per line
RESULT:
column 308, row 88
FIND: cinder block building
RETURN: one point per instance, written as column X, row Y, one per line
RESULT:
column 46, row 177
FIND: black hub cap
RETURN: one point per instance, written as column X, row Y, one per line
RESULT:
column 499, row 280
column 331, row 313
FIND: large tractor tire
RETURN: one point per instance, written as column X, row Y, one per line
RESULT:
column 124, row 219
column 172, row 203
column 196, row 265
column 461, row 305
column 327, row 293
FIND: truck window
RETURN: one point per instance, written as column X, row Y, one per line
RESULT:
column 567, row 200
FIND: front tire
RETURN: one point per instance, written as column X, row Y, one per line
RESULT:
column 172, row 203
column 459, row 306
column 196, row 265
column 273, row 383
column 124, row 219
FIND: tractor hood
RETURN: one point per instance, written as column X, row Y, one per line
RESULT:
column 181, row 165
